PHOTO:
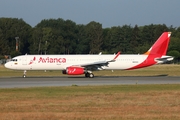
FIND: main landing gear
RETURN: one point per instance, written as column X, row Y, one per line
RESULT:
column 89, row 74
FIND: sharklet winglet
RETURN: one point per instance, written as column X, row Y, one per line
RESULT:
column 116, row 55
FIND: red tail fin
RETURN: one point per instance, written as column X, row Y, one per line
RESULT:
column 158, row 50
column 161, row 45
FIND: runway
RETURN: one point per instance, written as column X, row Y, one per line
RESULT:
column 18, row 82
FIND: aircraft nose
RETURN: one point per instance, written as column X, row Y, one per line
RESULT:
column 7, row 65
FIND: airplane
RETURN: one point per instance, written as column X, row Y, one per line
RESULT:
column 85, row 64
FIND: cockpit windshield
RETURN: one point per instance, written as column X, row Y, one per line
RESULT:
column 15, row 60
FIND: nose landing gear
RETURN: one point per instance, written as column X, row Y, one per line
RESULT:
column 24, row 74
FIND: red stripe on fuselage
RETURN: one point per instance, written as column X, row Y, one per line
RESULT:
column 147, row 62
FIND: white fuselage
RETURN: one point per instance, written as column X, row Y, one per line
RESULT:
column 60, row 62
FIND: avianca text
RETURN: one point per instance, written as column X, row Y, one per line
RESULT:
column 51, row 60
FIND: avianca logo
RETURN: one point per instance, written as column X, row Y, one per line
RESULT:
column 31, row 62
column 51, row 60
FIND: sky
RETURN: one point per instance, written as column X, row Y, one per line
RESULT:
column 109, row 13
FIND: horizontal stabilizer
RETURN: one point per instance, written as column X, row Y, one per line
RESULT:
column 164, row 59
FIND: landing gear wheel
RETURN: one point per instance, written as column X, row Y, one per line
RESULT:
column 24, row 76
column 91, row 75
column 86, row 74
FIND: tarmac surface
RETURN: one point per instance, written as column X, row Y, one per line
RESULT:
column 18, row 82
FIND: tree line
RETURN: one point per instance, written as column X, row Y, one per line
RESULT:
column 58, row 36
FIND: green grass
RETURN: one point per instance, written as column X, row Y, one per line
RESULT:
column 70, row 90
column 135, row 102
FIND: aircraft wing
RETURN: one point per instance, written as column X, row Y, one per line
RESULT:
column 97, row 65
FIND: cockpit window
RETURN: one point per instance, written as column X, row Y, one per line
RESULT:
column 15, row 60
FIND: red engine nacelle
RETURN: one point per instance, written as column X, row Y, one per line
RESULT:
column 73, row 70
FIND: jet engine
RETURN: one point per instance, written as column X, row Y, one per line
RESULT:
column 73, row 70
